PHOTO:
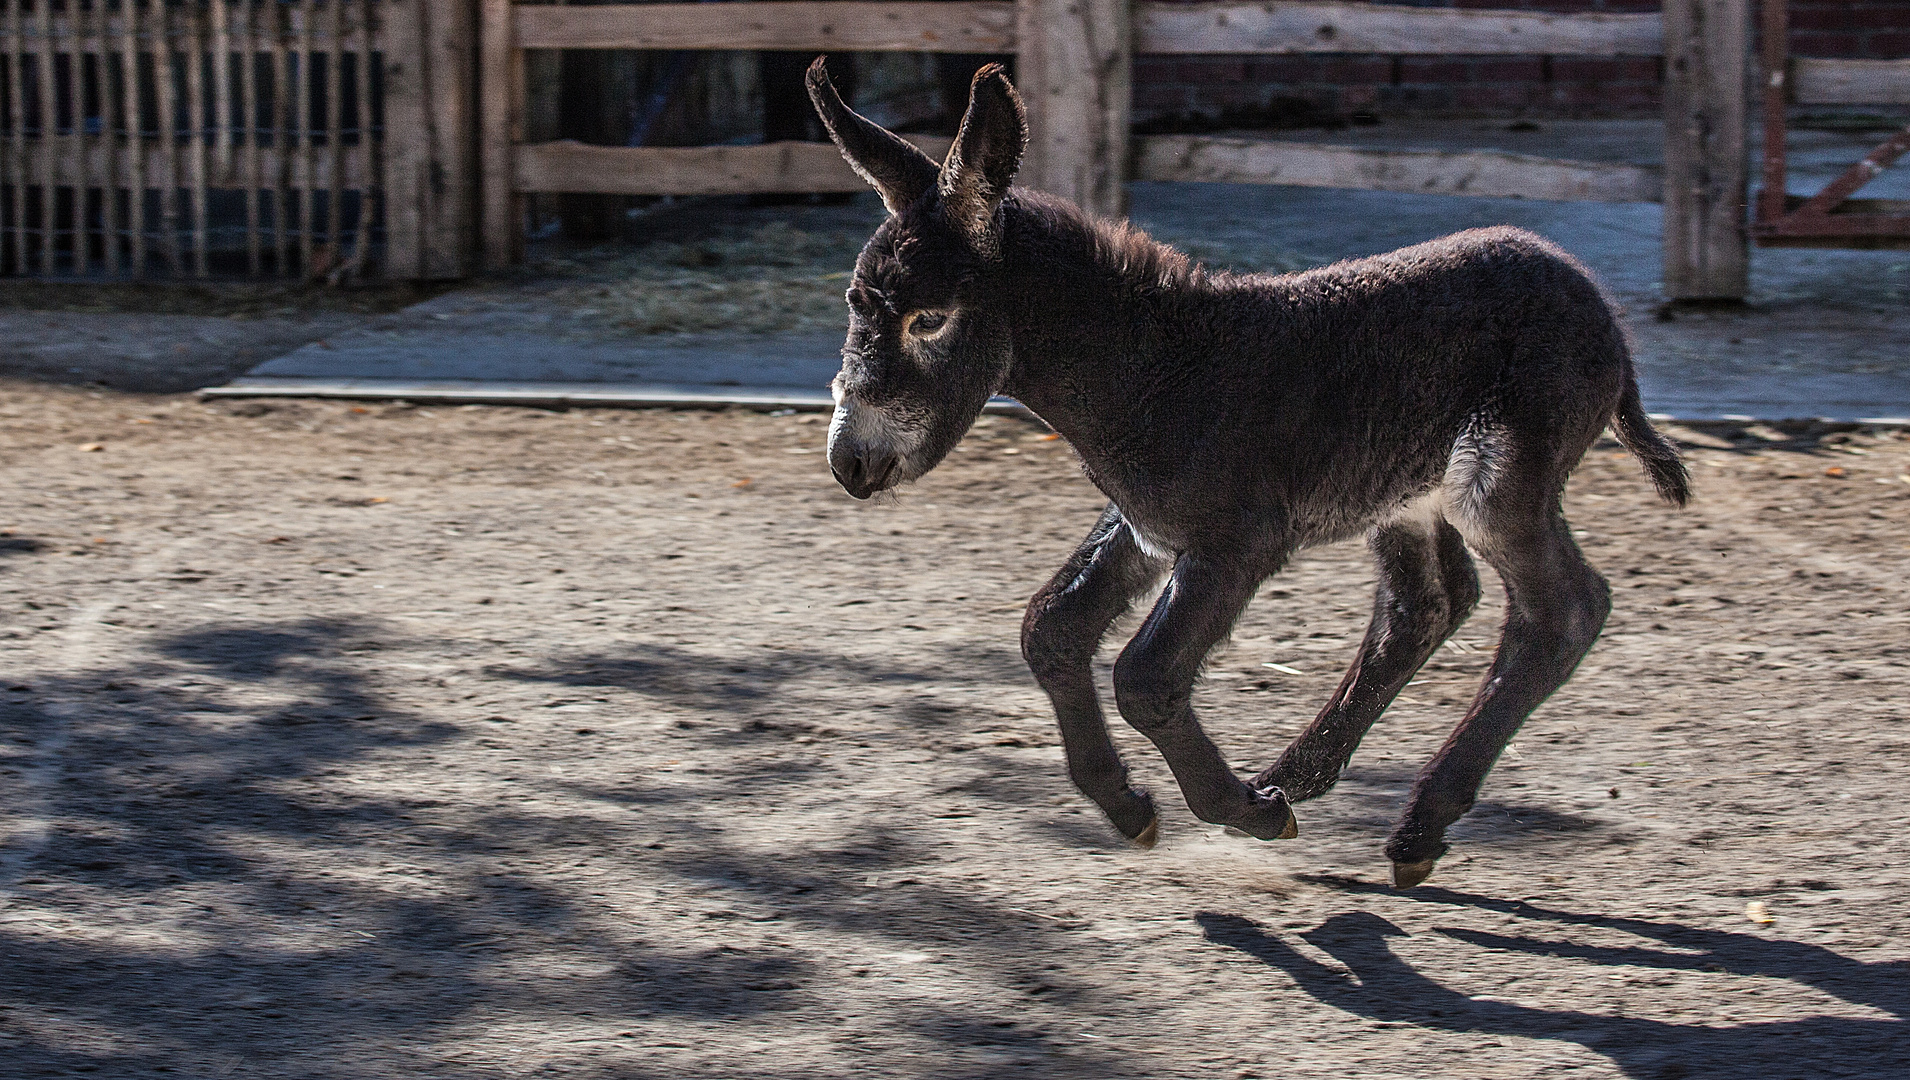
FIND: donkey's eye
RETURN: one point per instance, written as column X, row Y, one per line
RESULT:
column 925, row 323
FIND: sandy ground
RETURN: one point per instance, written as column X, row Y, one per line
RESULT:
column 362, row 742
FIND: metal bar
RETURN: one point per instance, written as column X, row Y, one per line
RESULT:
column 1856, row 176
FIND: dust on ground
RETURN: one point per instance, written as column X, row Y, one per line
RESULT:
column 365, row 741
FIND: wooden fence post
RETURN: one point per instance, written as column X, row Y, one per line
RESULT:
column 1707, row 51
column 1074, row 65
column 500, row 123
column 431, row 220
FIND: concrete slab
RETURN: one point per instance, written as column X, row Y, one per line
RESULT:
column 1827, row 333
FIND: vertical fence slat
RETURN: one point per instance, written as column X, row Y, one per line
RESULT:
column 17, row 122
column 281, row 137
column 167, row 97
column 43, row 86
column 135, row 136
column 114, row 162
column 497, row 109
column 222, row 87
column 75, row 35
column 361, row 122
column 195, row 53
column 306, row 21
column 249, row 99
column 335, row 138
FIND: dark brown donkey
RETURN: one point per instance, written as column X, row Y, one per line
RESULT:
column 1434, row 399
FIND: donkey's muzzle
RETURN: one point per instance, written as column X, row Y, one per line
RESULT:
column 862, row 470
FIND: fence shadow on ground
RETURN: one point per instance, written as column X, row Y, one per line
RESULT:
column 234, row 920
column 1384, row 987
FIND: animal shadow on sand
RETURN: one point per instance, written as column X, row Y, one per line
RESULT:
column 1385, row 987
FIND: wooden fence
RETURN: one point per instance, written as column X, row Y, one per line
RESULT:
column 350, row 137
column 1073, row 65
column 292, row 138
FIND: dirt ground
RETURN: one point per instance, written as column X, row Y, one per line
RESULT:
column 353, row 742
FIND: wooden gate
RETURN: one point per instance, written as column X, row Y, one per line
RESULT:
column 271, row 138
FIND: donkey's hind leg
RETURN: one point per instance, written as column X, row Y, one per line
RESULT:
column 1064, row 625
column 1555, row 606
column 1427, row 587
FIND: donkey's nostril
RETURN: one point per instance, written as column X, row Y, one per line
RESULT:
column 861, row 471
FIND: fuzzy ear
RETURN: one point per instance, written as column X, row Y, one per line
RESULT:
column 893, row 166
column 986, row 153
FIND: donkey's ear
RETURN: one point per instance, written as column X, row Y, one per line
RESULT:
column 893, row 166
column 986, row 153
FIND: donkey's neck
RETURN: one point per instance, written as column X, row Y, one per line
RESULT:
column 1096, row 314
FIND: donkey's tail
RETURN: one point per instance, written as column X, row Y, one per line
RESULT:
column 1660, row 458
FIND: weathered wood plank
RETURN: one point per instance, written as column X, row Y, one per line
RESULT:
column 793, row 166
column 196, row 142
column 499, row 103
column 968, row 26
column 1382, row 28
column 17, row 171
column 135, row 136
column 1075, row 71
column 1707, row 165
column 1279, row 26
column 1488, row 173
column 1850, row 82
column 254, row 163
column 568, row 166
column 407, row 154
column 451, row 224
column 42, row 46
column 64, row 168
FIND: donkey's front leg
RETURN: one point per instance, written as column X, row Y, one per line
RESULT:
column 1154, row 686
column 1064, row 625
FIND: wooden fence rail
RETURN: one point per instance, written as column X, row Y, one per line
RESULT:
column 1073, row 64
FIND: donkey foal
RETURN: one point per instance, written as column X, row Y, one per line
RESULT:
column 1434, row 399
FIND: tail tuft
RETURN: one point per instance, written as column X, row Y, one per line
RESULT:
column 1661, row 459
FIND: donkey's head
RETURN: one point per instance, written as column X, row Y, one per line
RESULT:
column 927, row 344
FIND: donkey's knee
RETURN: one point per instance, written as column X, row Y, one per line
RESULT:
column 1149, row 697
column 1055, row 646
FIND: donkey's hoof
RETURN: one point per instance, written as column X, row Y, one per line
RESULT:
column 1272, row 817
column 1408, row 874
column 1132, row 814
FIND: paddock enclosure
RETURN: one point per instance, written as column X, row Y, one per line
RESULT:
column 353, row 742
column 341, row 138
